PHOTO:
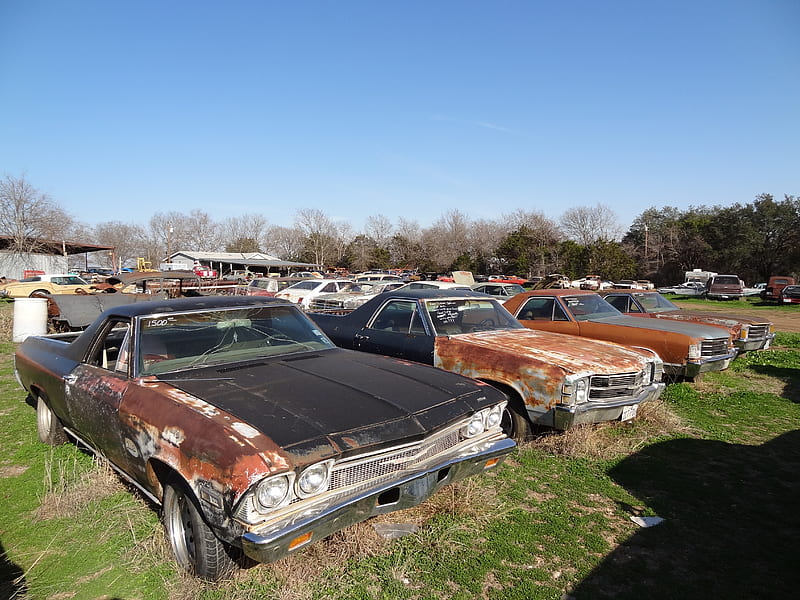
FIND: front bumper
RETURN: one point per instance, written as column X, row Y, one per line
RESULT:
column 278, row 539
column 695, row 368
column 757, row 344
column 565, row 416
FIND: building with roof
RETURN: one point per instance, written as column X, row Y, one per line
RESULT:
column 226, row 262
column 43, row 256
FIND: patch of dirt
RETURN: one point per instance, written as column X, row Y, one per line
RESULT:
column 784, row 320
column 12, row 471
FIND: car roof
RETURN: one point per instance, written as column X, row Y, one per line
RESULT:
column 194, row 303
column 433, row 294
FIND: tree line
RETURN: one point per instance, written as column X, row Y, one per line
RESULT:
column 754, row 240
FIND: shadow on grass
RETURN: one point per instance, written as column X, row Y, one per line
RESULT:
column 789, row 375
column 12, row 578
column 731, row 529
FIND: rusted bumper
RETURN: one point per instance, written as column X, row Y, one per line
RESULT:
column 314, row 523
column 566, row 416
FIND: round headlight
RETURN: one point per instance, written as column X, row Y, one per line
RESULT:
column 475, row 425
column 313, row 480
column 494, row 416
column 273, row 491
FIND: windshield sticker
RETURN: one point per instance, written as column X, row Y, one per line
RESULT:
column 447, row 312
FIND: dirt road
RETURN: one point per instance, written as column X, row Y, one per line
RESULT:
column 785, row 318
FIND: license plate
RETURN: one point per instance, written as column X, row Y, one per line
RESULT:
column 628, row 412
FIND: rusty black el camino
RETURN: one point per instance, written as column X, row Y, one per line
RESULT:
column 255, row 434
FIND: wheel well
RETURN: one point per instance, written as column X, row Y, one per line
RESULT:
column 514, row 397
column 159, row 474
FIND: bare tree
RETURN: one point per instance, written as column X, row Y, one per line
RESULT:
column 285, row 242
column 446, row 240
column 251, row 228
column 380, row 229
column 318, row 229
column 127, row 239
column 29, row 217
column 587, row 225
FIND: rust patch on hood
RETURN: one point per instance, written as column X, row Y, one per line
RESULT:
column 535, row 363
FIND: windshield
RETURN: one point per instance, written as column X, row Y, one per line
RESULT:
column 451, row 317
column 653, row 303
column 589, row 306
column 174, row 342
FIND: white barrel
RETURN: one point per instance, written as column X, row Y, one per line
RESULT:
column 30, row 317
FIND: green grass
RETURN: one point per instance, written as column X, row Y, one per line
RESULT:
column 545, row 525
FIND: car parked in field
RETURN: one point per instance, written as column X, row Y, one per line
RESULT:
column 352, row 296
column 43, row 285
column 303, row 291
column 687, row 349
column 551, row 380
column 790, row 294
column 774, row 287
column 499, row 291
column 251, row 430
column 724, row 287
column 748, row 333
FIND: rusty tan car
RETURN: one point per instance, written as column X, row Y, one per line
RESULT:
column 551, row 380
column 687, row 349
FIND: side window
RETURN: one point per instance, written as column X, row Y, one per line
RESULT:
column 110, row 350
column 621, row 303
column 559, row 314
column 537, row 308
column 397, row 316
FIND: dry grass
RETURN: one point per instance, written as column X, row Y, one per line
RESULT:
column 69, row 491
column 6, row 321
column 301, row 576
column 609, row 440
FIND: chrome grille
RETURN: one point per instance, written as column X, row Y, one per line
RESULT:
column 620, row 385
column 366, row 471
column 714, row 347
column 757, row 332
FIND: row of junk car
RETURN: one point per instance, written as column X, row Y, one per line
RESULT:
column 266, row 415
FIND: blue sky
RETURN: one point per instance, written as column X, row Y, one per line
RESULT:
column 120, row 110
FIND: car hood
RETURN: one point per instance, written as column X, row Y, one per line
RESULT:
column 709, row 316
column 337, row 402
column 543, row 350
column 684, row 327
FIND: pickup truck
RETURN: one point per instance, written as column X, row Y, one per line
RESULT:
column 551, row 380
column 254, row 433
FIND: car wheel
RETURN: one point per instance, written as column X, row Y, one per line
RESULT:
column 48, row 425
column 196, row 548
column 515, row 422
column 38, row 293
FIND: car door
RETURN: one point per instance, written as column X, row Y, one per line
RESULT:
column 397, row 329
column 95, row 389
column 547, row 314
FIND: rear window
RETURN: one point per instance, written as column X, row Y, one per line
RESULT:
column 726, row 281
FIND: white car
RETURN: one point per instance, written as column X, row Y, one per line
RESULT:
column 435, row 285
column 302, row 292
column 499, row 291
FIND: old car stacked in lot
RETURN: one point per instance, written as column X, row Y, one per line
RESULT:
column 352, row 296
column 44, row 285
column 551, row 380
column 775, row 285
column 748, row 333
column 304, row 291
column 254, row 433
column 688, row 349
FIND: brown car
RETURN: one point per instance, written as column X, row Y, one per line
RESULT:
column 687, row 349
column 749, row 334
